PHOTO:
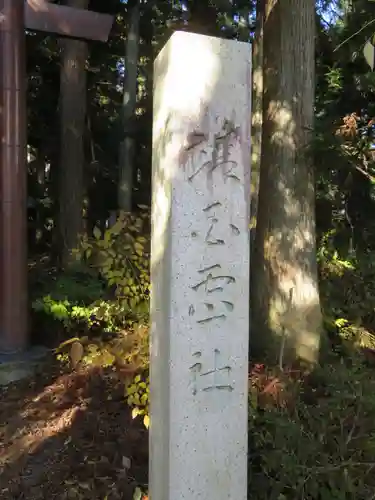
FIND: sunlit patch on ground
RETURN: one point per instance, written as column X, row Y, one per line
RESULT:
column 69, row 435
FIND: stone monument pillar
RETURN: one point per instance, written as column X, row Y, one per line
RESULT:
column 200, row 269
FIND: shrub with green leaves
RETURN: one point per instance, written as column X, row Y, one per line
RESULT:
column 137, row 397
column 106, row 288
column 122, row 256
column 101, row 315
column 347, row 294
column 127, row 352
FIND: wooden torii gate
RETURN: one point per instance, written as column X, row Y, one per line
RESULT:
column 15, row 16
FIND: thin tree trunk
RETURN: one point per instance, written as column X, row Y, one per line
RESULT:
column 127, row 147
column 72, row 157
column 286, row 314
column 257, row 110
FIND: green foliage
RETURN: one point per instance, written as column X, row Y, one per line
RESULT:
column 106, row 315
column 78, row 284
column 107, row 293
column 137, row 397
column 137, row 388
column 334, row 79
column 347, row 292
column 313, row 437
column 127, row 352
column 56, row 309
column 121, row 255
column 138, row 356
column 98, row 355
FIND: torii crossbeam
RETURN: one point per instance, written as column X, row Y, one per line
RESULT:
column 15, row 16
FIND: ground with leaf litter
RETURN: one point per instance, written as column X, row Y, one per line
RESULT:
column 70, row 435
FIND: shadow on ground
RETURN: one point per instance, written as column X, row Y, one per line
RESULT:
column 70, row 435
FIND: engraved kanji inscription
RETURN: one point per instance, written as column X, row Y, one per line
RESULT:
column 213, row 282
column 235, row 229
column 211, row 213
column 195, row 139
column 208, row 155
column 215, row 378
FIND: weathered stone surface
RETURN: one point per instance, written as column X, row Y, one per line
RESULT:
column 200, row 269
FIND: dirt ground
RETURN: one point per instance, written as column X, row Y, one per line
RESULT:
column 70, row 435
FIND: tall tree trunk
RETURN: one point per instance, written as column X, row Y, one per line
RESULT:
column 127, row 147
column 203, row 17
column 257, row 110
column 72, row 129
column 286, row 314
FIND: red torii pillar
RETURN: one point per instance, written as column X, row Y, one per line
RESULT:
column 15, row 15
